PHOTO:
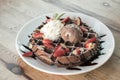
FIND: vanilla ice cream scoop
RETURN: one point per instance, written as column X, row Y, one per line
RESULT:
column 52, row 29
column 72, row 33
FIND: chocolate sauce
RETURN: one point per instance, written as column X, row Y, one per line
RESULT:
column 78, row 44
column 58, row 41
column 101, row 48
column 73, row 68
column 84, row 24
column 29, row 36
column 30, row 40
column 33, row 56
column 102, row 42
column 27, row 47
column 39, row 43
column 43, row 23
column 85, row 34
column 53, row 58
column 39, row 27
column 47, row 17
column 68, row 43
column 102, row 35
column 88, row 64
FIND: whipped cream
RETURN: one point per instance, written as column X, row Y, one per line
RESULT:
column 52, row 29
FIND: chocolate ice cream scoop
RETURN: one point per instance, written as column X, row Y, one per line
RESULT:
column 72, row 33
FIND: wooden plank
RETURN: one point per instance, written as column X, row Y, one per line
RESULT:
column 108, row 71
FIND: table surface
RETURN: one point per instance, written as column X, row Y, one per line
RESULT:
column 15, row 13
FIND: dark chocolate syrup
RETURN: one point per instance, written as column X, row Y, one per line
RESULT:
column 39, row 42
column 39, row 27
column 102, row 42
column 29, row 36
column 27, row 47
column 73, row 68
column 33, row 56
column 102, row 35
column 47, row 17
column 88, row 64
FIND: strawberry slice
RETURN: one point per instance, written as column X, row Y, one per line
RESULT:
column 91, row 40
column 65, row 20
column 90, row 45
column 59, row 51
column 37, row 35
column 67, row 50
column 28, row 54
column 47, row 41
column 76, row 51
column 83, row 29
column 48, row 46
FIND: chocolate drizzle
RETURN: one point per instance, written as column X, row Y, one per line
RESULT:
column 88, row 64
column 73, row 68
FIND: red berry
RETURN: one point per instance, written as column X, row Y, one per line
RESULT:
column 66, row 19
column 90, row 45
column 76, row 51
column 28, row 54
column 91, row 40
column 47, row 41
column 37, row 35
column 67, row 50
column 83, row 29
column 59, row 51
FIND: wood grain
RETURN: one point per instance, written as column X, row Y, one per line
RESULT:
column 15, row 13
column 108, row 71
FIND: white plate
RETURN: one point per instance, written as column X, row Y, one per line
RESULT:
column 98, row 26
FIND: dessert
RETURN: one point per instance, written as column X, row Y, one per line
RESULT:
column 64, row 42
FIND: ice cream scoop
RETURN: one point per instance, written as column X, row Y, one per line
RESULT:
column 72, row 33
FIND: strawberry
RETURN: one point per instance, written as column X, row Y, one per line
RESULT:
column 83, row 29
column 65, row 20
column 37, row 35
column 76, row 51
column 67, row 50
column 59, row 51
column 90, row 45
column 28, row 54
column 91, row 40
column 48, row 45
column 47, row 41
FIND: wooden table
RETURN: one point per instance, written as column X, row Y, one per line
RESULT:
column 15, row 13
